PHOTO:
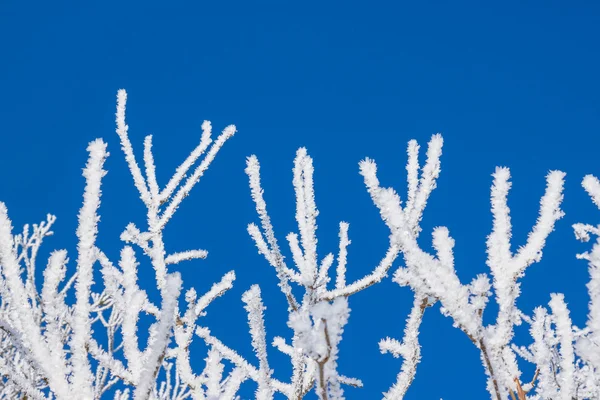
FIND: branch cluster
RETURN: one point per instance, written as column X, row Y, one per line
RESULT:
column 50, row 348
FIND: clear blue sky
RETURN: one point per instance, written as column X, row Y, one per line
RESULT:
column 514, row 84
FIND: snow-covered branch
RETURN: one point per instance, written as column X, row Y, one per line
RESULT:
column 77, row 333
column 435, row 277
column 317, row 320
column 47, row 343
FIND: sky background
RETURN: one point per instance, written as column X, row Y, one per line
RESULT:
column 513, row 85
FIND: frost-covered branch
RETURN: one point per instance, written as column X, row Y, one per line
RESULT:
column 318, row 319
column 409, row 350
column 255, row 308
column 435, row 276
column 567, row 358
column 77, row 333
column 46, row 337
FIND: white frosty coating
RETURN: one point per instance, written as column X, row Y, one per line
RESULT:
column 542, row 353
column 317, row 320
column 54, row 307
column 568, row 358
column 52, row 361
column 48, row 350
column 122, row 131
column 435, row 277
column 340, row 281
column 254, row 307
column 271, row 252
column 22, row 317
column 185, row 189
column 409, row 350
column 214, row 374
column 427, row 183
column 152, row 244
column 587, row 341
column 150, row 167
column 46, row 338
column 412, row 173
column 245, row 368
column 507, row 268
column 306, row 213
column 591, row 184
column 86, row 233
column 188, row 162
column 589, row 347
column 134, row 299
column 159, row 338
column 564, row 332
column 176, row 258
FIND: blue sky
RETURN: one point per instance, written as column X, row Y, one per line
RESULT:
column 513, row 84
